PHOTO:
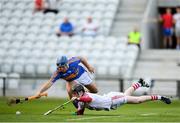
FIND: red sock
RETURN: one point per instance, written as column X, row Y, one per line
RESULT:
column 154, row 97
column 136, row 85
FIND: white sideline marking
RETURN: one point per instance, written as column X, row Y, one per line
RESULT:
column 88, row 118
column 147, row 114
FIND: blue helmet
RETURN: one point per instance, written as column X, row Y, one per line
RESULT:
column 61, row 61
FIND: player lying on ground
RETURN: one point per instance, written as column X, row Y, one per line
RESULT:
column 72, row 72
column 111, row 100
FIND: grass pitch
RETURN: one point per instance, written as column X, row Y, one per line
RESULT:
column 33, row 112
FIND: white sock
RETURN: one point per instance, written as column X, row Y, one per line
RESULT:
column 159, row 97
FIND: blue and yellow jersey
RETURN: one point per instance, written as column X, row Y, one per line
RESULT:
column 74, row 71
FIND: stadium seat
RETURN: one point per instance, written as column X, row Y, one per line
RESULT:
column 101, row 70
column 111, row 8
column 23, row 28
column 7, row 36
column 30, row 69
column 88, row 7
column 65, row 6
column 36, row 53
column 13, row 80
column 28, row 14
column 24, row 53
column 99, row 7
column 21, row 6
column 83, row 53
column 99, row 38
column 74, row 15
column 6, row 67
column 27, row 45
column 13, row 22
column 18, row 68
column 62, row 14
column 9, row 6
column 11, row 53
column 51, row 69
column 97, row 15
column 30, row 37
column 42, row 69
column 16, row 13
column 108, row 15
column 5, row 13
column 2, row 75
column 85, row 14
column 86, row 46
column 77, row 38
column 4, row 44
column 18, row 37
column 114, row 71
column 2, row 52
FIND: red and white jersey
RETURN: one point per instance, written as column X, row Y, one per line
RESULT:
column 99, row 102
column 103, row 102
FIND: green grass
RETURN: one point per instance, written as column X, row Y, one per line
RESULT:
column 33, row 112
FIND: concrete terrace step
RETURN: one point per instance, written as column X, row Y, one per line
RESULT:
column 157, row 73
column 131, row 10
column 168, row 3
column 122, row 31
column 159, row 64
column 129, row 14
column 134, row 3
column 130, row 18
column 160, row 55
column 125, row 24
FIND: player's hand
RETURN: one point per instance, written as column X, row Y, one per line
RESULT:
column 74, row 98
column 38, row 95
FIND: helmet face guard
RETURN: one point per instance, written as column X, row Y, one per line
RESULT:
column 78, row 89
column 62, row 61
column 65, row 65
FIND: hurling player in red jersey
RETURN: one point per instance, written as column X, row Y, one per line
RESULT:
column 167, row 20
column 111, row 100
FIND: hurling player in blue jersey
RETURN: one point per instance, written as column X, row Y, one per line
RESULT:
column 71, row 71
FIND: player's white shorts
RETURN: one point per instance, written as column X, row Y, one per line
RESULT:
column 117, row 98
column 84, row 79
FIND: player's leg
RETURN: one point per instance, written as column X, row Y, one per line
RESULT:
column 69, row 86
column 141, row 99
column 177, row 38
column 140, row 83
column 170, row 41
column 170, row 37
column 92, row 88
column 117, row 99
column 178, row 43
column 86, row 80
column 165, row 42
column 165, row 37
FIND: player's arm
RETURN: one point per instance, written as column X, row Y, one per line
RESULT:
column 160, row 18
column 48, row 84
column 86, row 99
column 86, row 64
column 174, row 20
column 82, row 104
column 44, row 87
column 81, row 108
